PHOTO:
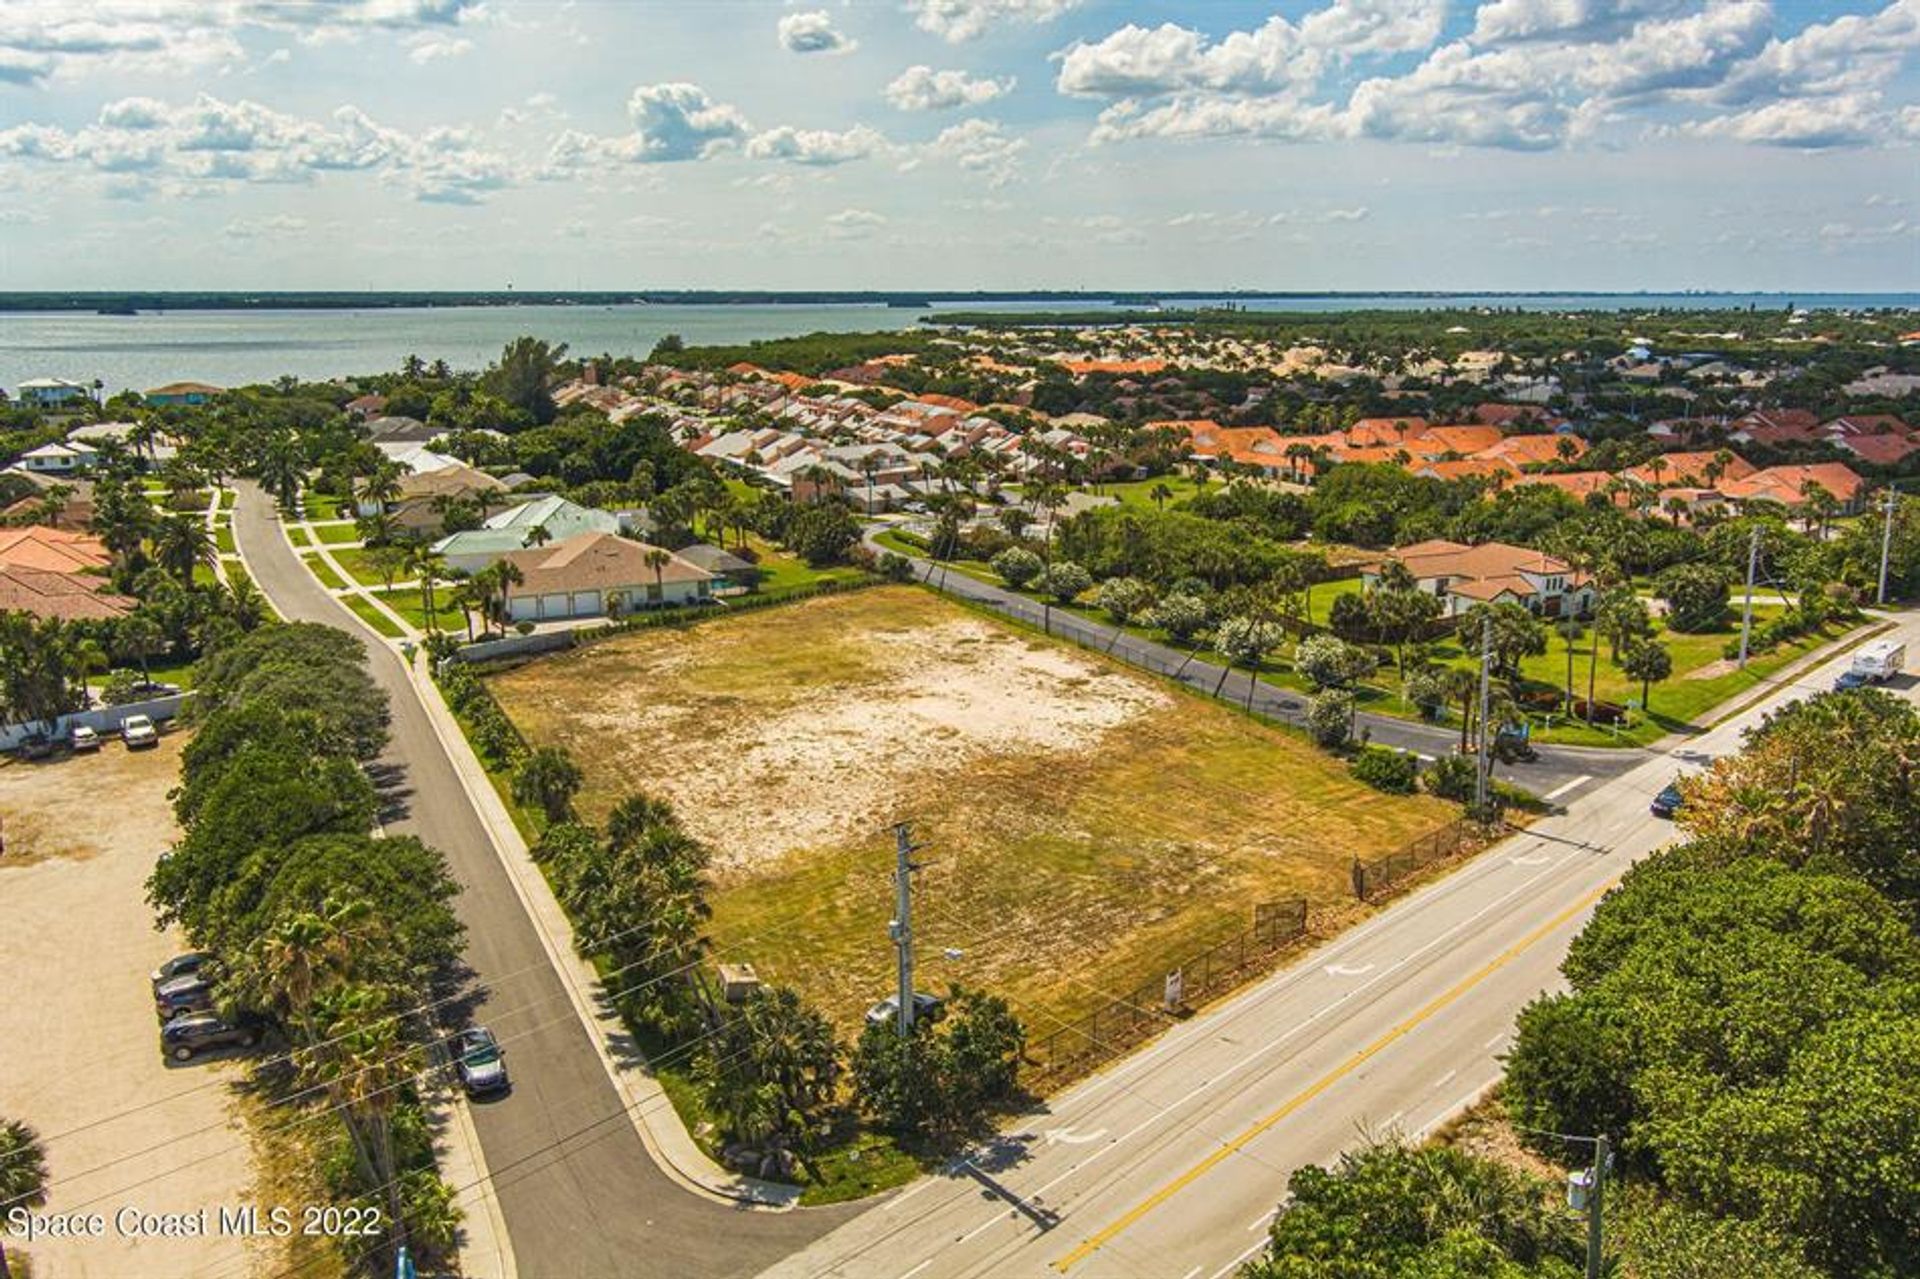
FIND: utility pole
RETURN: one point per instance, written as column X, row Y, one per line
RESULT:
column 1596, row 1196
column 901, row 928
column 1746, row 618
column 1483, row 771
column 1886, row 543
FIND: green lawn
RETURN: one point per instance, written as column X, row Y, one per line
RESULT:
column 298, row 535
column 336, row 534
column 372, row 616
column 320, row 569
column 359, row 562
column 1140, row 492
column 325, row 506
column 783, row 572
column 406, row 601
column 223, row 538
column 227, row 499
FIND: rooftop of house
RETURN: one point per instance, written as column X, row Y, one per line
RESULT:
column 1485, row 562
column 72, row 597
column 1787, row 484
column 53, row 550
column 597, row 562
column 186, row 388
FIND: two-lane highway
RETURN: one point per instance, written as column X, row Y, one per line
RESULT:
column 580, row 1195
column 1171, row 1161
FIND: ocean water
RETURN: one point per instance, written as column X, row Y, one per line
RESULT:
column 234, row 348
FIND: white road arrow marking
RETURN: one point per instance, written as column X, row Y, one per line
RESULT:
column 1068, row 1137
column 1349, row 970
column 1531, row 859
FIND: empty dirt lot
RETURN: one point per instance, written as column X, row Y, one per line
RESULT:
column 1084, row 824
column 79, row 1056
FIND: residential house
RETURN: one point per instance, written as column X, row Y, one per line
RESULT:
column 1882, row 450
column 1523, row 451
column 598, row 574
column 1702, row 468
column 68, row 458
column 419, row 504
column 1787, row 486
column 1774, row 427
column 368, row 406
column 52, row 392
column 731, row 574
column 188, row 393
column 71, row 597
column 52, row 550
column 1576, row 483
column 515, row 528
column 1462, row 576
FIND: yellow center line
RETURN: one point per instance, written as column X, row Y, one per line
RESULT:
column 1108, row 1233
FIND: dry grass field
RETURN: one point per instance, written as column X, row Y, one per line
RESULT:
column 1084, row 825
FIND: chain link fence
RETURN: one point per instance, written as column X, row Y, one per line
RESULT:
column 1372, row 876
column 1116, row 1025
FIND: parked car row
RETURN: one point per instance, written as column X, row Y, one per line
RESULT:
column 138, row 732
column 183, row 1000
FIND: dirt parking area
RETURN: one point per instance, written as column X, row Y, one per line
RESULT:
column 79, row 1055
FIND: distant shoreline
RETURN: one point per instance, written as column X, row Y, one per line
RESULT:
column 137, row 302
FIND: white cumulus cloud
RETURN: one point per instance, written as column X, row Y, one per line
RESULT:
column 813, row 32
column 921, row 88
column 959, row 20
column 818, row 147
column 680, row 122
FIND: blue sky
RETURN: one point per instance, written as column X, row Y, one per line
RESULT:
column 1336, row 144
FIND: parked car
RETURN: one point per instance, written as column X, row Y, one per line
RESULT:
column 35, row 746
column 1668, row 801
column 143, row 690
column 925, row 1008
column 1851, row 679
column 138, row 731
column 480, row 1060
column 83, row 738
column 184, row 1037
column 187, row 965
column 189, row 994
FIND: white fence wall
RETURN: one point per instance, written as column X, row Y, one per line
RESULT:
column 103, row 719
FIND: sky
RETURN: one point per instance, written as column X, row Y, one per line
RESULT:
column 960, row 144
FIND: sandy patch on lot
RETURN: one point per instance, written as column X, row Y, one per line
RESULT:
column 79, row 1060
column 780, row 768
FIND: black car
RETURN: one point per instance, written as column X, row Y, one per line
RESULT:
column 177, row 995
column 187, row 965
column 1850, row 679
column 185, row 1036
column 1667, row 802
column 36, row 746
column 480, row 1060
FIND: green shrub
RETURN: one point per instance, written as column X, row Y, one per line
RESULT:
column 1451, row 777
column 1387, row 770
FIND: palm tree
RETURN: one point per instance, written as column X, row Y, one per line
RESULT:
column 870, row 467
column 538, row 535
column 380, row 487
column 1160, row 493
column 657, row 560
column 471, row 595
column 181, row 544
column 280, row 469
column 426, row 564
column 23, row 1172
column 506, row 576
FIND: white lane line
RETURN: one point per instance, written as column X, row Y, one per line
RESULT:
column 1444, row 1080
column 1495, row 1041
column 1558, row 791
column 1191, row 1274
column 1235, row 1264
column 1263, row 1219
column 917, row 1269
column 1393, row 1119
column 1349, row 970
column 925, row 1183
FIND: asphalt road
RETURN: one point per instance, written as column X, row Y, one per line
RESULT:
column 1557, row 772
column 581, row 1196
column 1170, row 1163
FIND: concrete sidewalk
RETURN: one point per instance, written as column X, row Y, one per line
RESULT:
column 653, row 1115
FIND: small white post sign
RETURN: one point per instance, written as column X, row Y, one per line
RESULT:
column 1176, row 989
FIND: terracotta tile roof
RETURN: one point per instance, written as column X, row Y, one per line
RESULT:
column 1533, row 450
column 1578, row 483
column 1467, row 467
column 1691, row 467
column 1489, row 562
column 1866, row 424
column 952, row 402
column 1456, row 439
column 51, row 550
column 1783, row 483
column 1882, row 450
column 1080, row 368
column 72, row 597
column 1370, row 431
